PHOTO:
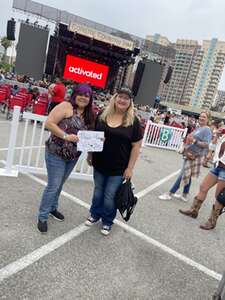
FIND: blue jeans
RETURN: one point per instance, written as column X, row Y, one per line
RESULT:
column 58, row 171
column 103, row 201
column 218, row 172
column 176, row 185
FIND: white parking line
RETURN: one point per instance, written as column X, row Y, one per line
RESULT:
column 2, row 122
column 21, row 263
column 170, row 251
column 25, row 147
column 37, row 254
column 155, row 185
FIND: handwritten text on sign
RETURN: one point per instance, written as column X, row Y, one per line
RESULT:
column 90, row 141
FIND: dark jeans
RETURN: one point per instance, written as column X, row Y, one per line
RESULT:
column 58, row 171
column 176, row 185
column 103, row 201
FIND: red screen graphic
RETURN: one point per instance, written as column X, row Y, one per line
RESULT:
column 83, row 70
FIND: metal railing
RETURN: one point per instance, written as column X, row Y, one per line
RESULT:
column 32, row 149
column 163, row 136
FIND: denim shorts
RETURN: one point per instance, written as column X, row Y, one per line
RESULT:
column 219, row 173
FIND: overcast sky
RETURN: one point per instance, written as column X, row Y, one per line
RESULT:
column 189, row 19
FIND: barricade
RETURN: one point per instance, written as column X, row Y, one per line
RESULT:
column 31, row 155
column 163, row 136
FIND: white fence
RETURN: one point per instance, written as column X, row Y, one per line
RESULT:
column 163, row 136
column 28, row 156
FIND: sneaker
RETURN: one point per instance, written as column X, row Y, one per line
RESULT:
column 57, row 215
column 184, row 198
column 165, row 196
column 105, row 230
column 181, row 197
column 177, row 196
column 42, row 226
column 91, row 221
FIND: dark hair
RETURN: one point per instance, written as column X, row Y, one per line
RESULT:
column 88, row 113
column 152, row 119
column 125, row 90
column 35, row 90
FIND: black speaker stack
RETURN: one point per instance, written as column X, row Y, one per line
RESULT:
column 11, row 28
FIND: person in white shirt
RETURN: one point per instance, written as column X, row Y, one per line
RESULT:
column 2, row 77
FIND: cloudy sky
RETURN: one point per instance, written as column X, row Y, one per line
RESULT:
column 190, row 19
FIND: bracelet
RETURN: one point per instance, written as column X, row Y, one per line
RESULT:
column 65, row 135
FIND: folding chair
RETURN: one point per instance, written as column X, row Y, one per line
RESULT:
column 15, row 101
column 40, row 108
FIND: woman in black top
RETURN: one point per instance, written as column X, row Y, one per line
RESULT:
column 116, row 162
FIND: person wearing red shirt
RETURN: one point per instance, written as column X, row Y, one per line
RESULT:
column 57, row 93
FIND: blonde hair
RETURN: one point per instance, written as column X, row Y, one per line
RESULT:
column 209, row 116
column 129, row 115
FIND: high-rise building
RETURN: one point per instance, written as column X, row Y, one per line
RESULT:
column 211, row 68
column 219, row 103
column 158, row 39
column 196, row 73
column 178, row 90
column 158, row 47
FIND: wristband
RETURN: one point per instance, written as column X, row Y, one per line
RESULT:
column 65, row 135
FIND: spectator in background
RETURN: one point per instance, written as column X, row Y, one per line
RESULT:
column 57, row 92
column 35, row 93
column 215, row 177
column 167, row 118
column 197, row 144
column 190, row 127
column 69, row 91
column 212, row 146
column 2, row 77
column 176, row 122
column 15, row 90
column 157, row 117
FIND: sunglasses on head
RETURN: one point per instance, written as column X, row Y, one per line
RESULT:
column 83, row 94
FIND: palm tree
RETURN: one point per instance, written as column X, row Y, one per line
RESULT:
column 5, row 44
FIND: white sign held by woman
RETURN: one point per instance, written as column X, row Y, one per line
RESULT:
column 90, row 141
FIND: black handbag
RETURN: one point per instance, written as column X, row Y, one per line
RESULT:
column 125, row 200
column 221, row 197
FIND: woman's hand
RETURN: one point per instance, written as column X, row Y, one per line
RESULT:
column 190, row 139
column 72, row 138
column 128, row 173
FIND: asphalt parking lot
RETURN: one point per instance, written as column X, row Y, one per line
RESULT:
column 158, row 254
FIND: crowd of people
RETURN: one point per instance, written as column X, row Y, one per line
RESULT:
column 28, row 81
column 122, row 123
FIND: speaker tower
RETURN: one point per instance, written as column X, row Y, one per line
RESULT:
column 11, row 27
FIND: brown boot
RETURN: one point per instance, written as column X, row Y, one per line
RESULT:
column 211, row 223
column 193, row 211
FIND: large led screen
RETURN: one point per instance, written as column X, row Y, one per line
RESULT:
column 83, row 70
column 31, row 51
